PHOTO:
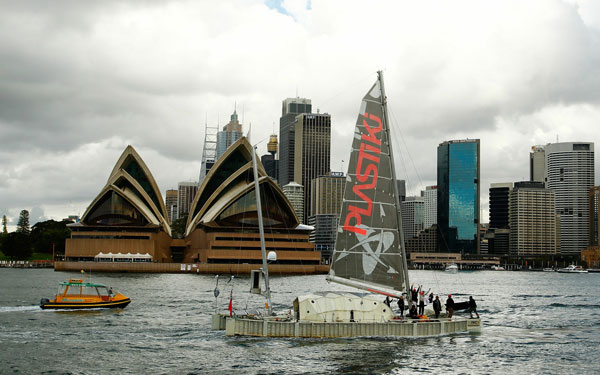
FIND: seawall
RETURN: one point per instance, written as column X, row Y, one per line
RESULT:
column 211, row 268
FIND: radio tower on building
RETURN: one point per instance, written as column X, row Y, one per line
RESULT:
column 209, row 152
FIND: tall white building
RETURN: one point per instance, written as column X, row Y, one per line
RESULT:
column 430, row 208
column 537, row 164
column 570, row 174
column 231, row 132
column 533, row 223
column 295, row 193
column 412, row 216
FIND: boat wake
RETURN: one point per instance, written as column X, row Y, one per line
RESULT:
column 19, row 308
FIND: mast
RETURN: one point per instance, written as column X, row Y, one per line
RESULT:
column 261, row 229
column 395, row 183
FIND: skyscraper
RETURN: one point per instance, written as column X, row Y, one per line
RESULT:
column 532, row 220
column 498, row 232
column 499, row 193
column 270, row 161
column 537, row 164
column 570, row 174
column 326, row 203
column 430, row 209
column 170, row 201
column 231, row 132
column 312, row 145
column 295, row 194
column 594, row 198
column 458, row 196
column 291, row 107
column 327, row 194
column 186, row 191
column 412, row 210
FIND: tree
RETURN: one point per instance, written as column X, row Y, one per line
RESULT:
column 4, row 221
column 23, row 224
column 46, row 234
column 178, row 226
column 17, row 245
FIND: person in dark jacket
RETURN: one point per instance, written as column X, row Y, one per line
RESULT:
column 414, row 294
column 412, row 313
column 437, row 306
column 401, row 305
column 472, row 307
column 450, row 306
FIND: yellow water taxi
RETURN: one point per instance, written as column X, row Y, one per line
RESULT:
column 80, row 294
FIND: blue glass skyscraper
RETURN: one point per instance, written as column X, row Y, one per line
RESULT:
column 458, row 196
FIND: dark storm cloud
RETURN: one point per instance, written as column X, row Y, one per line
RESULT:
column 79, row 81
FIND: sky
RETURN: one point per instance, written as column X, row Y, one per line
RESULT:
column 79, row 81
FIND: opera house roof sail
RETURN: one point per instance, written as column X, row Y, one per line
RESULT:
column 226, row 197
column 128, row 216
column 130, row 197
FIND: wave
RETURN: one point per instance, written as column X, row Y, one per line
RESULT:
column 574, row 306
column 19, row 308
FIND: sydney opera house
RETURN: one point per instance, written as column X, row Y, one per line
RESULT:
column 125, row 228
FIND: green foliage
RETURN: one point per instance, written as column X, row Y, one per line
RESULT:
column 17, row 245
column 23, row 224
column 46, row 233
column 178, row 227
column 41, row 256
column 4, row 222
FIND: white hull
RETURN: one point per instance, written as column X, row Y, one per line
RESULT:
column 572, row 269
column 406, row 328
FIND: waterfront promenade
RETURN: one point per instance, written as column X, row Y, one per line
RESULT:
column 202, row 268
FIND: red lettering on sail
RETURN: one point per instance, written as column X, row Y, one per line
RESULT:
column 366, row 173
column 372, row 131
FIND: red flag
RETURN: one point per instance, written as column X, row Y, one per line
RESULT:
column 231, row 304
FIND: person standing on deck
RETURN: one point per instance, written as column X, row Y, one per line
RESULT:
column 437, row 306
column 450, row 306
column 422, row 303
column 414, row 293
column 401, row 306
column 472, row 307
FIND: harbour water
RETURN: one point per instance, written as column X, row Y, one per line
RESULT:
column 534, row 322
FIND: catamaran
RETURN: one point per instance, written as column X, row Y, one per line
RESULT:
column 369, row 253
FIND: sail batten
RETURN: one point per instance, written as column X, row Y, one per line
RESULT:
column 369, row 252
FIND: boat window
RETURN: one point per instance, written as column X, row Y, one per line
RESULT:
column 75, row 290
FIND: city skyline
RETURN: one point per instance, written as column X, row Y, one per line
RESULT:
column 80, row 85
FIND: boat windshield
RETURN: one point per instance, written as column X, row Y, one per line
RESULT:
column 83, row 289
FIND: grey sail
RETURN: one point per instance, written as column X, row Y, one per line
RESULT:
column 369, row 252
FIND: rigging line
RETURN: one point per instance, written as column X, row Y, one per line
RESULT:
column 402, row 139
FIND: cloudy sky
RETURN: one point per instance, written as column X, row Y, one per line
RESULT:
column 79, row 81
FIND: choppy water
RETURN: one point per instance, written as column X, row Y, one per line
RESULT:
column 533, row 323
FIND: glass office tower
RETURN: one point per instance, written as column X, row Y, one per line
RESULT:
column 458, row 196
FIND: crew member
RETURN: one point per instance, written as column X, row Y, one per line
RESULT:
column 450, row 306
